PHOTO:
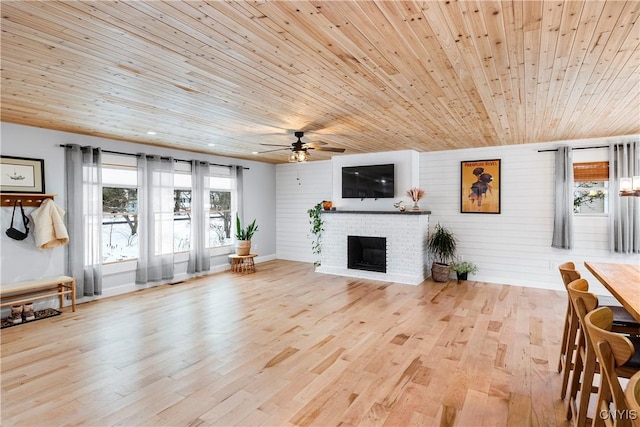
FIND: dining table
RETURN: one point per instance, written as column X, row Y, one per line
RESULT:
column 622, row 280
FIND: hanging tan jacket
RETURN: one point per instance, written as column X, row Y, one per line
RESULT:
column 49, row 230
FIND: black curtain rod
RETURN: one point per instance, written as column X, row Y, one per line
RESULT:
column 575, row 148
column 164, row 157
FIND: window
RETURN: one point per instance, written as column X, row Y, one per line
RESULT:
column 220, row 220
column 119, row 208
column 591, row 187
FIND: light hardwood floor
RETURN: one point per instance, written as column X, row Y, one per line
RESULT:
column 288, row 346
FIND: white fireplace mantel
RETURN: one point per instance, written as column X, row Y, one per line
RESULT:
column 406, row 234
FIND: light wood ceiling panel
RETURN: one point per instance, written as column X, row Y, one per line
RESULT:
column 360, row 75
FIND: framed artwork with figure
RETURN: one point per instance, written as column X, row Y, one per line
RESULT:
column 21, row 175
column 480, row 186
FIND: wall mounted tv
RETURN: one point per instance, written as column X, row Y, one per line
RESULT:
column 368, row 182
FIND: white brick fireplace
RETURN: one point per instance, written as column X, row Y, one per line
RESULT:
column 405, row 233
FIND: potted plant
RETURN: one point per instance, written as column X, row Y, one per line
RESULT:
column 243, row 236
column 463, row 268
column 316, row 228
column 442, row 246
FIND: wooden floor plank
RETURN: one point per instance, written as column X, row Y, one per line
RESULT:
column 288, row 346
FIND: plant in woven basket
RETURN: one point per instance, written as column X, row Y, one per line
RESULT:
column 442, row 247
column 244, row 235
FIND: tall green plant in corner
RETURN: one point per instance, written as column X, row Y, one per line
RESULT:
column 442, row 246
column 316, row 229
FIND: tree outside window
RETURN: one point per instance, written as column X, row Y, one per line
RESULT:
column 119, row 223
column 591, row 184
column 181, row 220
column 220, row 218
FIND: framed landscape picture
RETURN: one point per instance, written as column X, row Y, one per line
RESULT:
column 480, row 186
column 21, row 175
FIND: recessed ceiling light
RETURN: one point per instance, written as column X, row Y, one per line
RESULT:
column 254, row 152
column 212, row 145
column 151, row 132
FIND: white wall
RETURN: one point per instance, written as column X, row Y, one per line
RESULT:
column 22, row 261
column 513, row 247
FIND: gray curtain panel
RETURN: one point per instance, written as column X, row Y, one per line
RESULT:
column 200, row 256
column 563, row 216
column 624, row 212
column 84, row 217
column 238, row 179
column 155, row 219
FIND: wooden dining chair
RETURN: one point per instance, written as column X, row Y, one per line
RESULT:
column 632, row 393
column 568, row 273
column 584, row 365
column 618, row 357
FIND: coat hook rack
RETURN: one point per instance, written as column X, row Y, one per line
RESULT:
column 27, row 199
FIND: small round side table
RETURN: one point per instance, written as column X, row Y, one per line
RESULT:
column 242, row 263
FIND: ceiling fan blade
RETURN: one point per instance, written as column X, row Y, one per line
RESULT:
column 335, row 150
column 315, row 143
column 277, row 149
column 275, row 145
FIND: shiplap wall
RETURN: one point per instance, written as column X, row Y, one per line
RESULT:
column 299, row 187
column 513, row 247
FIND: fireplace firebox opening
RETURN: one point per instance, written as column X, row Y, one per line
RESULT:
column 367, row 253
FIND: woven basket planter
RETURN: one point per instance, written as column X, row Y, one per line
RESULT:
column 440, row 272
column 243, row 247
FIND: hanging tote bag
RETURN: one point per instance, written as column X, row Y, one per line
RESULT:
column 14, row 233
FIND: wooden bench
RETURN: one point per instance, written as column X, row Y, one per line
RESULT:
column 31, row 290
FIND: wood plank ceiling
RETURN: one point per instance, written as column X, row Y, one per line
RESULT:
column 360, row 75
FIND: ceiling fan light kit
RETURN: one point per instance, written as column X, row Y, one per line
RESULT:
column 298, row 156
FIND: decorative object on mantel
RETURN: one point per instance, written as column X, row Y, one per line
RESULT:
column 400, row 205
column 21, row 175
column 463, row 268
column 442, row 246
column 316, row 228
column 243, row 236
column 630, row 186
column 415, row 194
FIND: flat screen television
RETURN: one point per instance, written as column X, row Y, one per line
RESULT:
column 368, row 182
